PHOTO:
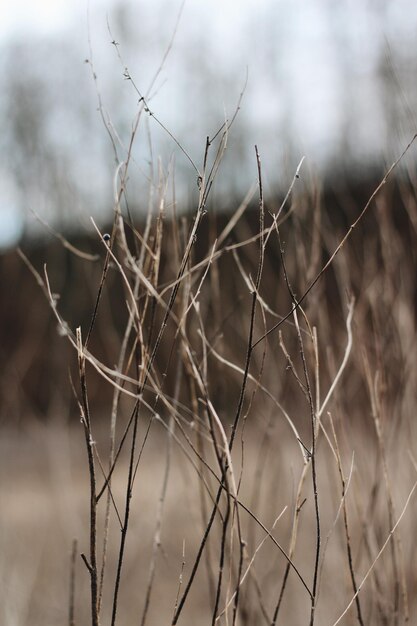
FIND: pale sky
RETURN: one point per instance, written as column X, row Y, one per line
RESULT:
column 41, row 16
column 292, row 50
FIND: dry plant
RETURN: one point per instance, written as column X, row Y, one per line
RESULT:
column 264, row 357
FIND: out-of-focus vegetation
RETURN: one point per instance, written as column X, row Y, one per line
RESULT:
column 334, row 82
column 353, row 340
column 207, row 413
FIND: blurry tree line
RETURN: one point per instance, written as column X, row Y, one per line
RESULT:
column 334, row 81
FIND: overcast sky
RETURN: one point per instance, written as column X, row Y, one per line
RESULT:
column 310, row 67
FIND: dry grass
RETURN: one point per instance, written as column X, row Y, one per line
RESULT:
column 203, row 410
column 243, row 450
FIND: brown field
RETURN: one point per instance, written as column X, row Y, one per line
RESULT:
column 307, row 437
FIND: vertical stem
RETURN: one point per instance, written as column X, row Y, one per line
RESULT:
column 71, row 612
column 85, row 415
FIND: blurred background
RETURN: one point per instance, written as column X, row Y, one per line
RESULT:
column 335, row 82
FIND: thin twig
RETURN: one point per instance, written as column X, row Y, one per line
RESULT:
column 386, row 542
column 300, row 300
column 71, row 611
